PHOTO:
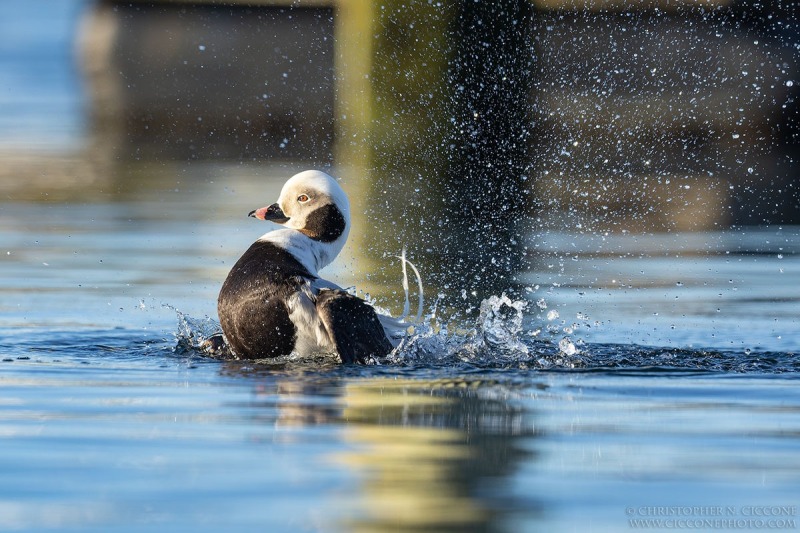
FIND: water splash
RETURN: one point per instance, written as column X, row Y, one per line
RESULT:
column 500, row 326
column 495, row 337
column 202, row 336
column 506, row 336
column 498, row 337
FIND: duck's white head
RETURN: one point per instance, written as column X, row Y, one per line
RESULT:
column 313, row 204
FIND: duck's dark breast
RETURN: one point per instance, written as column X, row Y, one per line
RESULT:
column 252, row 302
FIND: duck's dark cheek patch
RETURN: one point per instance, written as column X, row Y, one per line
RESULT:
column 325, row 224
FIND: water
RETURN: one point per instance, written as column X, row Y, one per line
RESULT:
column 40, row 101
column 634, row 377
column 677, row 385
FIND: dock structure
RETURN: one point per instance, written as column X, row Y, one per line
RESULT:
column 227, row 80
column 594, row 114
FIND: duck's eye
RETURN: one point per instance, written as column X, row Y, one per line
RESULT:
column 303, row 198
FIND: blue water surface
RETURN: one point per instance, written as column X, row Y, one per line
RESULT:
column 671, row 395
column 649, row 375
column 41, row 97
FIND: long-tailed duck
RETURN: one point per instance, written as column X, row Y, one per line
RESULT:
column 273, row 301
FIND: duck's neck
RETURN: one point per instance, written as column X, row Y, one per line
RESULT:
column 314, row 255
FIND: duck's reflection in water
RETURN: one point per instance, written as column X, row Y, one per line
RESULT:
column 430, row 455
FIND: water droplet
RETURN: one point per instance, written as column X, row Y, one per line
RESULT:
column 567, row 347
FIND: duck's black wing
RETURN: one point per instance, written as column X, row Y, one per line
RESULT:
column 252, row 304
column 353, row 325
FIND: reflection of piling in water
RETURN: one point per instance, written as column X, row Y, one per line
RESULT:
column 421, row 451
column 425, row 448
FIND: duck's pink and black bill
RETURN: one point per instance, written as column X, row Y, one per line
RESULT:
column 272, row 213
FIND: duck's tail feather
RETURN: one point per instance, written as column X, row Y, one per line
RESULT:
column 420, row 292
column 406, row 303
column 397, row 328
column 394, row 328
